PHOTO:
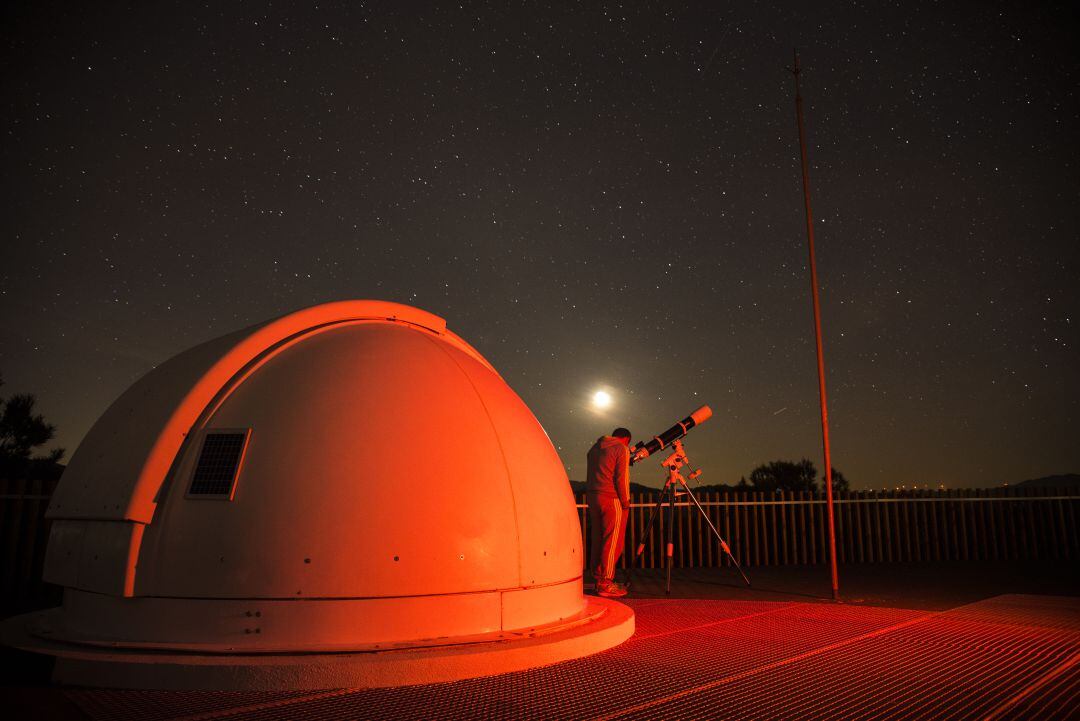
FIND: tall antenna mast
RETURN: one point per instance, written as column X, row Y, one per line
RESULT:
column 817, row 334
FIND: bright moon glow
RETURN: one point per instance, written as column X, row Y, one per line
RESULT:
column 601, row 399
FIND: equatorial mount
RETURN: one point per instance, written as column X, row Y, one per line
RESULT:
column 677, row 460
column 674, row 486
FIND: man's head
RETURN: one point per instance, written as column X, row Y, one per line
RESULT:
column 622, row 434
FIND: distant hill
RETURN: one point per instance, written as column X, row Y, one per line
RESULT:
column 1065, row 481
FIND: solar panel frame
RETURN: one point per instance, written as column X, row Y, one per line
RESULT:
column 217, row 467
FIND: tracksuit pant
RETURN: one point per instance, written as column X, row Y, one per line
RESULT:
column 607, row 526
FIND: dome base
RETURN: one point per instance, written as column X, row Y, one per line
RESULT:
column 603, row 625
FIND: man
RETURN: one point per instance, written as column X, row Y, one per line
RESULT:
column 608, row 489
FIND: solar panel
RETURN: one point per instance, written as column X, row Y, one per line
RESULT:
column 219, row 461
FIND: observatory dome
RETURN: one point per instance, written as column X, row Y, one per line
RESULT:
column 350, row 478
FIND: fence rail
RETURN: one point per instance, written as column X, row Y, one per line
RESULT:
column 769, row 529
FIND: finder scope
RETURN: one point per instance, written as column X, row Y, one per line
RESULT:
column 644, row 449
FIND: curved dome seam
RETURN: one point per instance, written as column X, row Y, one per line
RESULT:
column 502, row 453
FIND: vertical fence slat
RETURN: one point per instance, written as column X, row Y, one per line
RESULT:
column 872, row 527
column 996, row 544
column 782, row 530
column 13, row 526
column 990, row 540
column 1046, row 523
column 910, row 521
column 805, row 530
column 730, row 530
column 743, row 515
column 952, row 527
column 1033, row 524
column 819, row 549
column 796, row 535
column 1069, row 530
column 793, row 527
column 896, row 531
column 810, row 510
column 1024, row 546
column 760, row 539
column 851, row 530
column 1017, row 512
column 884, row 509
column 694, row 526
column 858, row 548
column 914, row 509
column 843, row 528
column 798, row 529
column 869, row 526
column 936, row 549
column 1008, row 533
column 751, row 531
column 1063, row 536
column 26, row 573
column 999, row 544
column 967, row 507
column 712, row 549
column 920, row 534
column 701, row 530
column 975, row 530
column 903, row 537
column 726, row 528
column 660, row 534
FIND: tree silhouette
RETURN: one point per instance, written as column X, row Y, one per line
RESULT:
column 784, row 476
column 21, row 432
column 839, row 483
column 791, row 476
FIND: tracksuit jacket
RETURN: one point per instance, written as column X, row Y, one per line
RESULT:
column 608, row 469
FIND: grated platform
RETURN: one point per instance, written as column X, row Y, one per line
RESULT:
column 1008, row 657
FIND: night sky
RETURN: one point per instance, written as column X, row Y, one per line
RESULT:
column 596, row 196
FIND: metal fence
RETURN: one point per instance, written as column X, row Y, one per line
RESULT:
column 770, row 529
column 25, row 533
column 762, row 530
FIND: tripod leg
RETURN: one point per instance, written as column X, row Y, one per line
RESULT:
column 653, row 515
column 649, row 524
column 723, row 543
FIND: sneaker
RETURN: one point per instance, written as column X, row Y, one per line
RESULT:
column 610, row 589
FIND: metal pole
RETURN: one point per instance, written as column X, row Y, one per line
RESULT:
column 817, row 334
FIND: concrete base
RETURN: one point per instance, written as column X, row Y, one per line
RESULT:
column 604, row 624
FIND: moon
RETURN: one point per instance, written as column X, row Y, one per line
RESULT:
column 601, row 399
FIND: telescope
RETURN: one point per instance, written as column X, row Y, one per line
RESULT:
column 658, row 443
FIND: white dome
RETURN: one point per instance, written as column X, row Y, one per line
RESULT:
column 392, row 491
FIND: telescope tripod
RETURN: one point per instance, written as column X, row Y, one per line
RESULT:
column 670, row 492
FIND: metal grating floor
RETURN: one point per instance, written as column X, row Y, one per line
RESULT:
column 1006, row 657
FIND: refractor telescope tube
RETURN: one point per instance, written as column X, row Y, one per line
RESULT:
column 644, row 449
